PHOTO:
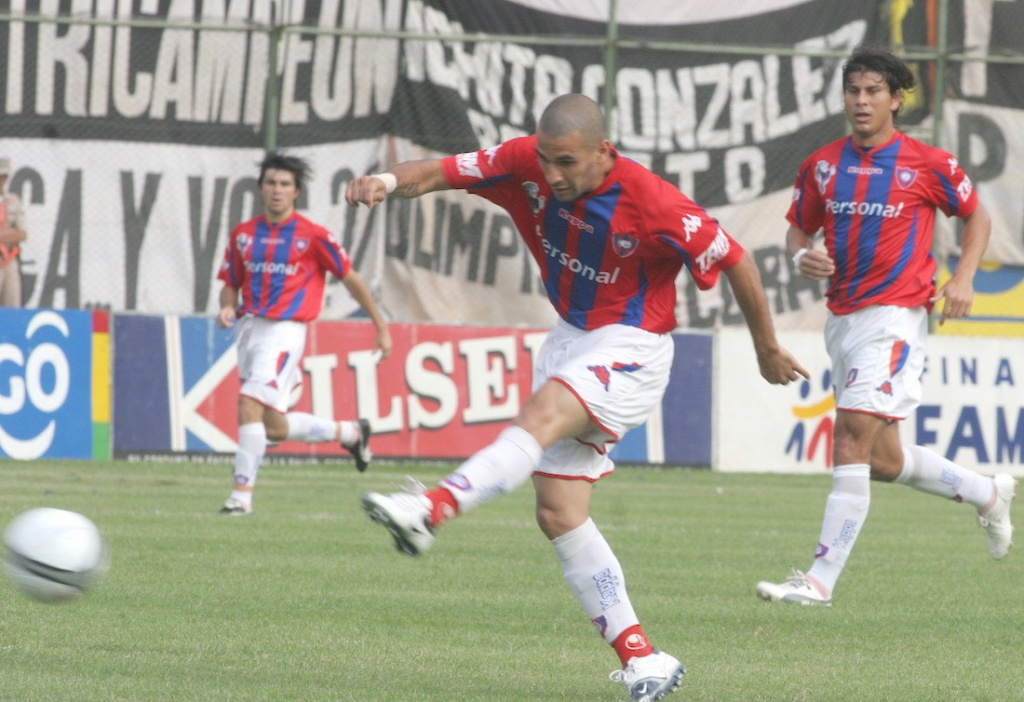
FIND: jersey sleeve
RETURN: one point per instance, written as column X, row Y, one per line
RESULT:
column 805, row 210
column 331, row 255
column 951, row 188
column 479, row 170
column 232, row 268
column 706, row 248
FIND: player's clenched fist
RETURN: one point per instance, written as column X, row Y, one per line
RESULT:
column 368, row 190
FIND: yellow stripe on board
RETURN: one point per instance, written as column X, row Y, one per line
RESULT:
column 100, row 377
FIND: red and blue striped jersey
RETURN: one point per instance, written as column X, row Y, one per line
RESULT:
column 281, row 269
column 611, row 256
column 877, row 209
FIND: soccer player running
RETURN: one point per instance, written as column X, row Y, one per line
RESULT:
column 610, row 238
column 874, row 195
column 277, row 264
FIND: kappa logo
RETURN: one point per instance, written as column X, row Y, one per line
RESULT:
column 625, row 245
column 905, row 177
column 605, row 375
column 691, row 224
column 574, row 220
column 823, row 174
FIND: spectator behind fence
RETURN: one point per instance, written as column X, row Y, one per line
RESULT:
column 12, row 234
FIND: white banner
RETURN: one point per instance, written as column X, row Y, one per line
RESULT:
column 143, row 227
column 988, row 143
column 972, row 412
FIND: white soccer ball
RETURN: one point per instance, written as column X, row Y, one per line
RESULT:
column 54, row 555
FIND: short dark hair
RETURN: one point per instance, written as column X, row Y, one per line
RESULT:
column 896, row 72
column 298, row 167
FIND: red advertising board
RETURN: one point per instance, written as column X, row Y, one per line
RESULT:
column 445, row 391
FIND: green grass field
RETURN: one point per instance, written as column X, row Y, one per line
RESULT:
column 307, row 599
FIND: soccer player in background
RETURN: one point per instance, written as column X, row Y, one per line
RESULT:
column 274, row 271
column 610, row 238
column 874, row 195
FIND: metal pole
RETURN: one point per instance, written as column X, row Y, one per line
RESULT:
column 941, row 59
column 272, row 99
column 610, row 59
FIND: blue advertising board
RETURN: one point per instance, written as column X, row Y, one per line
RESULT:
column 46, row 384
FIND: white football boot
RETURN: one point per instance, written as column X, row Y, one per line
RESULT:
column 997, row 520
column 796, row 590
column 650, row 677
column 405, row 514
column 236, row 508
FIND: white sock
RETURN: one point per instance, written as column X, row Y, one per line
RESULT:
column 494, row 470
column 252, row 444
column 303, row 426
column 929, row 472
column 845, row 512
column 349, row 432
column 595, row 576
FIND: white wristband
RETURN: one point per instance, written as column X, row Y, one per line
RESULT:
column 797, row 256
column 389, row 180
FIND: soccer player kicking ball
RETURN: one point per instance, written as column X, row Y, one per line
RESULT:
column 609, row 238
column 874, row 195
column 278, row 264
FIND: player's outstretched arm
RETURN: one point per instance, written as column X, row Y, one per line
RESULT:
column 360, row 292
column 410, row 179
column 778, row 366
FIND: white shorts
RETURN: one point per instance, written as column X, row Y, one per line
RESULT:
column 269, row 351
column 619, row 373
column 878, row 356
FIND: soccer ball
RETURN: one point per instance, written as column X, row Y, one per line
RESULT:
column 54, row 555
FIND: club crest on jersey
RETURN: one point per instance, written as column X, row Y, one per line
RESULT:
column 885, row 388
column 823, row 173
column 243, row 242
column 301, row 245
column 905, row 177
column 537, row 201
column 625, row 245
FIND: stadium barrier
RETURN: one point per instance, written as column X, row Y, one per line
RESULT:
column 169, row 384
